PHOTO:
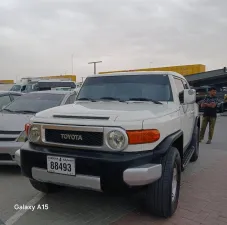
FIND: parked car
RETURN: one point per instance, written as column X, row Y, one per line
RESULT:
column 126, row 132
column 18, row 87
column 42, row 85
column 8, row 96
column 15, row 115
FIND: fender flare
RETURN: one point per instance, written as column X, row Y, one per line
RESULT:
column 166, row 144
column 197, row 122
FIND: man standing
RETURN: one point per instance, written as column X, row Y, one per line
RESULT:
column 209, row 104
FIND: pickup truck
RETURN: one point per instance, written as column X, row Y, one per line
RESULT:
column 125, row 132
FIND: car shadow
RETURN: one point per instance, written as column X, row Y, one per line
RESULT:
column 10, row 170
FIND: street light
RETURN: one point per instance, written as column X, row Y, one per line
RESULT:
column 83, row 79
column 95, row 65
column 72, row 62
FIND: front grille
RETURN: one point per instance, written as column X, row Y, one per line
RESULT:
column 74, row 137
column 8, row 139
column 9, row 132
column 5, row 157
column 9, row 135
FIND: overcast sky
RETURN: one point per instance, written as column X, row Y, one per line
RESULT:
column 38, row 37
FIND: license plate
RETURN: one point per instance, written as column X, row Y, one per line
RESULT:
column 61, row 165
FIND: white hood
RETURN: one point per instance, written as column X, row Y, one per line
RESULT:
column 13, row 122
column 116, row 111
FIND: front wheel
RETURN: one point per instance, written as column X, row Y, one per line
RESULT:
column 45, row 187
column 163, row 195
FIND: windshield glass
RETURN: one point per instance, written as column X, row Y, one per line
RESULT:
column 156, row 87
column 35, row 102
column 16, row 87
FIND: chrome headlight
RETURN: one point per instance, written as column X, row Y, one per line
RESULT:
column 34, row 133
column 116, row 140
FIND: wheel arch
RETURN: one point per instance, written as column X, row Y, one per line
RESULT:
column 179, row 144
column 198, row 121
column 173, row 140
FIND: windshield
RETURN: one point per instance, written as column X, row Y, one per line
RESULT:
column 155, row 87
column 34, row 102
column 16, row 87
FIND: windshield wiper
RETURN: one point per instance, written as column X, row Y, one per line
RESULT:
column 8, row 110
column 86, row 99
column 26, row 112
column 145, row 99
column 111, row 99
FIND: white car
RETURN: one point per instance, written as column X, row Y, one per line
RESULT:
column 16, row 114
column 125, row 132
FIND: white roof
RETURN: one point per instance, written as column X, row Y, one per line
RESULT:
column 140, row 73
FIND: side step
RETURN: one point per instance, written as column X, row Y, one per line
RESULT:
column 187, row 156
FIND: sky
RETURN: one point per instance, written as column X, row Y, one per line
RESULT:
column 53, row 37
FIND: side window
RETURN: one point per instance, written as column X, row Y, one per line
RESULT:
column 71, row 99
column 67, row 101
column 179, row 84
column 180, row 89
column 4, row 100
column 23, row 88
column 186, row 86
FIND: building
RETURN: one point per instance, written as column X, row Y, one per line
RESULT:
column 196, row 74
column 217, row 78
column 185, row 70
column 6, row 81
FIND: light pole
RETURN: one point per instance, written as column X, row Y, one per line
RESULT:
column 150, row 64
column 72, row 62
column 95, row 65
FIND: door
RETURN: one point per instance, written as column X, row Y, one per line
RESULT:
column 185, row 114
column 191, row 113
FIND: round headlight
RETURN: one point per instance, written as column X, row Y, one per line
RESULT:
column 116, row 140
column 34, row 134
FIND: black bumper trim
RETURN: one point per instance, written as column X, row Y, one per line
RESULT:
column 106, row 165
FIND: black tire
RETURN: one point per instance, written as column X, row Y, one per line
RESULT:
column 159, row 200
column 45, row 187
column 195, row 143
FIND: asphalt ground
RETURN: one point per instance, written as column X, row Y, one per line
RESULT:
column 202, row 185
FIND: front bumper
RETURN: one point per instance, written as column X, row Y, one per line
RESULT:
column 94, row 170
column 8, row 149
column 17, row 157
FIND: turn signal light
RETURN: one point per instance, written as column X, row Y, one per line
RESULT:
column 26, row 128
column 143, row 136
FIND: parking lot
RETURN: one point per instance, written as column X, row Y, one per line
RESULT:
column 203, row 197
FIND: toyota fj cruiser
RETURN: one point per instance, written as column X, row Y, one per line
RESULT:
column 125, row 131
